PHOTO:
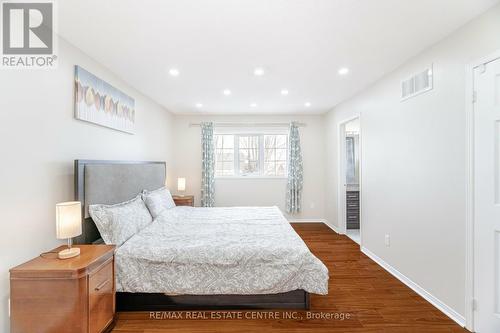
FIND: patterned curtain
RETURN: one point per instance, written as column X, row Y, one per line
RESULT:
column 207, row 165
column 295, row 172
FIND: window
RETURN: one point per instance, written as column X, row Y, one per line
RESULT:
column 260, row 155
column 275, row 155
column 248, row 152
column 224, row 155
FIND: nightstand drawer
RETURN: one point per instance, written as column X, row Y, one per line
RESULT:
column 101, row 297
column 187, row 200
column 184, row 203
column 74, row 295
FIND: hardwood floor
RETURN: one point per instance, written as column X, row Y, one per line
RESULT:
column 374, row 299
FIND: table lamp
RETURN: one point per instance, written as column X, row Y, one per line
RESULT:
column 181, row 185
column 68, row 225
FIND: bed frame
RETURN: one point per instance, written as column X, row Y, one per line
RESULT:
column 111, row 182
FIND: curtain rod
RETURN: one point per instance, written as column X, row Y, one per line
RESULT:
column 250, row 124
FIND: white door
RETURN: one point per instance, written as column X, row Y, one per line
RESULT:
column 487, row 197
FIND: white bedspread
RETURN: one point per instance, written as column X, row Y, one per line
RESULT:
column 208, row 251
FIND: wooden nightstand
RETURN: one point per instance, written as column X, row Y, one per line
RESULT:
column 183, row 200
column 75, row 295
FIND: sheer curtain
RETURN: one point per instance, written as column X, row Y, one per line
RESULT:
column 295, row 172
column 207, row 165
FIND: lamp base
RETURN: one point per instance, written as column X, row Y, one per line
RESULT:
column 69, row 253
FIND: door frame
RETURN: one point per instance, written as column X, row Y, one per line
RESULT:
column 341, row 197
column 470, row 302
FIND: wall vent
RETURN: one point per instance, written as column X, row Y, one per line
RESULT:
column 417, row 84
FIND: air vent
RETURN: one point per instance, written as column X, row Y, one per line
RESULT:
column 417, row 84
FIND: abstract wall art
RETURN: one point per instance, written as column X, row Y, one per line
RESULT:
column 98, row 102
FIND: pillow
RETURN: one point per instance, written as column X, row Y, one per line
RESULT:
column 158, row 200
column 117, row 223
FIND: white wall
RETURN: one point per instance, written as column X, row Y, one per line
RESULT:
column 254, row 192
column 413, row 163
column 413, row 160
column 39, row 139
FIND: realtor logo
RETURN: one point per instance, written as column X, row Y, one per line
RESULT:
column 28, row 35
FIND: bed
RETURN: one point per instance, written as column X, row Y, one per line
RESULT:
column 199, row 258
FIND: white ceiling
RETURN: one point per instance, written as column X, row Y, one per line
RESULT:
column 217, row 44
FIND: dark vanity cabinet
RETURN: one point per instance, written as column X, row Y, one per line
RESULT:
column 352, row 209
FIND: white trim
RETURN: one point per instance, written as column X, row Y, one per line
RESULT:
column 458, row 318
column 455, row 316
column 469, row 199
column 341, row 175
column 360, row 181
column 261, row 156
column 469, row 187
column 307, row 221
column 333, row 227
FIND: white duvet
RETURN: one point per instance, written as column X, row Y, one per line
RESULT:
column 208, row 251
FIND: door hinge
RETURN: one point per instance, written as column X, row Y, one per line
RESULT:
column 474, row 304
column 474, row 96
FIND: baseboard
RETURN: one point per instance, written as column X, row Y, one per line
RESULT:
column 455, row 316
column 334, row 228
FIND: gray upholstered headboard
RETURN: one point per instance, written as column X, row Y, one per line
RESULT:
column 111, row 182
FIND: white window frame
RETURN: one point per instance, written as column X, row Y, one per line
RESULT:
column 259, row 134
column 234, row 156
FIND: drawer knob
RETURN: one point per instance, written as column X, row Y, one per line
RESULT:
column 99, row 287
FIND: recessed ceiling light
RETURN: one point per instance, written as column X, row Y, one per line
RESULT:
column 174, row 72
column 307, row 104
column 343, row 71
column 259, row 71
column 254, row 105
column 226, row 92
column 284, row 92
column 199, row 105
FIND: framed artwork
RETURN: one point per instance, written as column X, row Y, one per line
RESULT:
column 98, row 102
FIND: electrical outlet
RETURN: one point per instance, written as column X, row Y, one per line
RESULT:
column 387, row 240
column 312, row 205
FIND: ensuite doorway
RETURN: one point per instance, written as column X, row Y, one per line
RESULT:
column 349, row 166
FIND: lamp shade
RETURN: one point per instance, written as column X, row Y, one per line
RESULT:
column 181, row 184
column 68, row 219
